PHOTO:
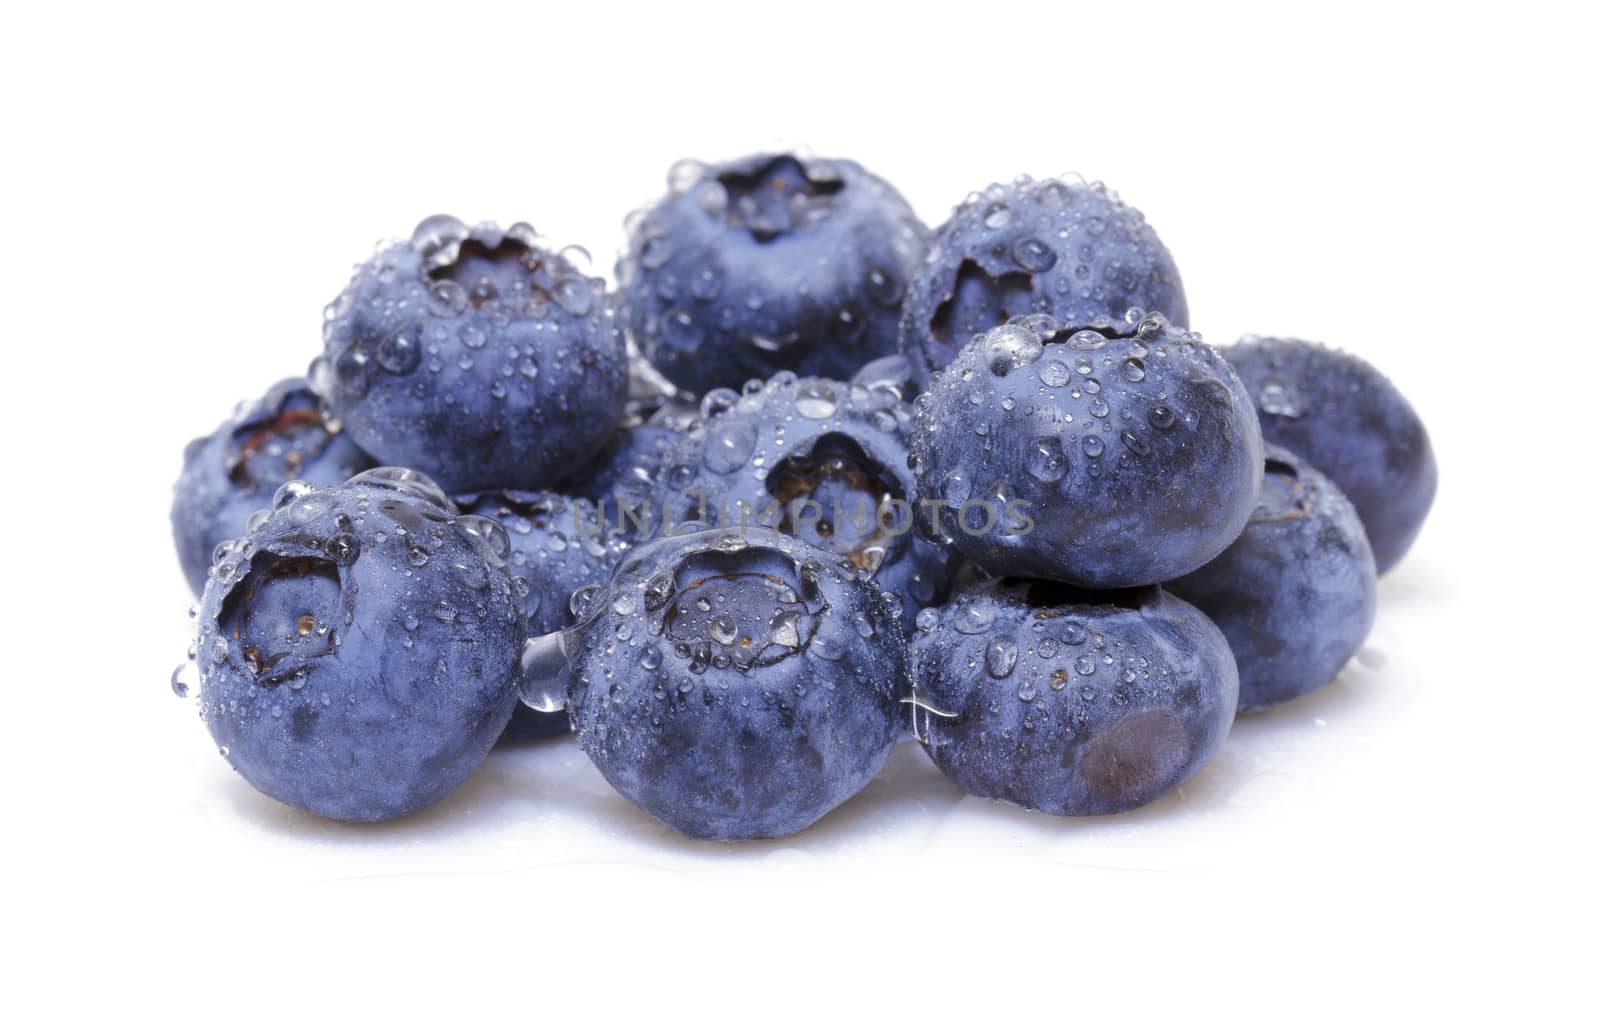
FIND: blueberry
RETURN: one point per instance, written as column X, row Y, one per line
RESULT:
column 1070, row 702
column 1345, row 418
column 475, row 356
column 1072, row 250
column 358, row 648
column 772, row 262
column 737, row 684
column 1111, row 457
column 558, row 546
column 629, row 467
column 1296, row 594
column 285, row 435
column 822, row 460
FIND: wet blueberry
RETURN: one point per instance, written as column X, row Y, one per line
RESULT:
column 737, row 684
column 1106, row 457
column 1070, row 702
column 1345, row 418
column 1069, row 249
column 234, row 471
column 1296, row 593
column 358, row 648
column 476, row 356
column 822, row 460
column 767, row 263
column 558, row 546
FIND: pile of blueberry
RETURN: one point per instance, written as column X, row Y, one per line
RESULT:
column 810, row 478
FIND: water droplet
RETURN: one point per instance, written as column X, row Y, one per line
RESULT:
column 1054, row 373
column 1000, row 657
column 1278, row 400
column 585, row 601
column 574, row 294
column 684, row 174
column 1162, row 418
column 1034, row 254
column 815, row 400
column 973, row 619
column 1093, row 445
column 1010, row 346
column 729, row 442
column 1086, row 340
column 998, row 216
column 885, row 287
column 542, row 679
column 679, row 330
column 785, row 629
column 399, row 354
column 1133, row 370
column 1045, row 460
column 654, row 253
column 182, row 679
column 343, row 548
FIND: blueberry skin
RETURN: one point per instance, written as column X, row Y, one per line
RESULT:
column 474, row 356
column 1346, row 419
column 1135, row 447
column 737, row 685
column 358, row 649
column 232, row 472
column 628, row 468
column 758, row 456
column 1297, row 592
column 1070, row 702
column 770, row 262
column 1068, row 249
column 558, row 545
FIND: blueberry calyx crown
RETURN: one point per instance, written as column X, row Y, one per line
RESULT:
column 778, row 196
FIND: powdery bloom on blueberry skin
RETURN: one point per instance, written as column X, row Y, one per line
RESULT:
column 1296, row 594
column 476, row 356
column 1341, row 415
column 1134, row 446
column 284, row 435
column 1070, row 702
column 1061, row 247
column 818, row 459
column 737, row 685
column 558, row 545
column 358, row 648
column 770, row 262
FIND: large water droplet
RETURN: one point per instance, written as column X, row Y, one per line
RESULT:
column 1000, row 657
column 542, row 680
column 815, row 400
column 1045, row 460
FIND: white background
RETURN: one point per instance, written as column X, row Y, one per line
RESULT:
column 184, row 190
